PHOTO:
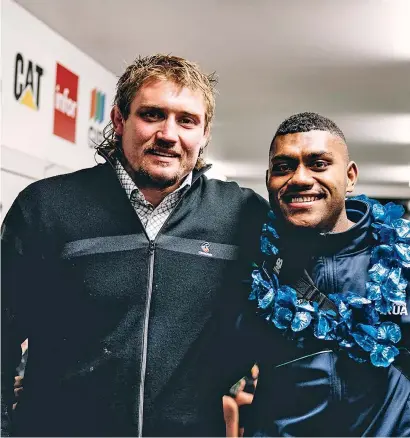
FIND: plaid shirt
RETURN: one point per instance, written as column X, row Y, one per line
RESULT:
column 151, row 218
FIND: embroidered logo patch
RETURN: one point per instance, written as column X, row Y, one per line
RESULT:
column 205, row 249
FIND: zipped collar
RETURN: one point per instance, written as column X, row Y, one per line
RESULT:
column 355, row 239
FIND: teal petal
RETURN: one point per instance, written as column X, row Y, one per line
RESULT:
column 389, row 331
column 383, row 356
column 301, row 320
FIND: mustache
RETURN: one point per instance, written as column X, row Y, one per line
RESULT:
column 158, row 149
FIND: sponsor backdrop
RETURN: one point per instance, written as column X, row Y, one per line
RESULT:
column 56, row 101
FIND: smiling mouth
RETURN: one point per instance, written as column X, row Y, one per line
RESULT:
column 163, row 154
column 302, row 199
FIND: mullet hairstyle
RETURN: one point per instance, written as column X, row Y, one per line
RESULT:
column 157, row 67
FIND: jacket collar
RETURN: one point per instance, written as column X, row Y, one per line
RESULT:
column 355, row 239
column 198, row 173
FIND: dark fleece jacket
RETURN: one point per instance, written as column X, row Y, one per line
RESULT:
column 126, row 336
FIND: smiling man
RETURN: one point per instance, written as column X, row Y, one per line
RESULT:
column 124, row 277
column 331, row 296
column 159, row 159
column 309, row 177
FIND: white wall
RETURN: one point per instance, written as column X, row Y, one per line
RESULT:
column 29, row 148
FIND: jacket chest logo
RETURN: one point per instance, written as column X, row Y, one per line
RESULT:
column 205, row 249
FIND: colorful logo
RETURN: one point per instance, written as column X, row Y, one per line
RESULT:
column 97, row 106
column 205, row 249
column 65, row 103
column 27, row 81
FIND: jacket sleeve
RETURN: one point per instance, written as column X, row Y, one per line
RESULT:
column 18, row 267
column 244, row 331
column 237, row 355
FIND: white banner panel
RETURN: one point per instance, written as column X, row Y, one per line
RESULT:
column 56, row 99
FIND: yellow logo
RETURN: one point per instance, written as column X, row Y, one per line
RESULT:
column 27, row 99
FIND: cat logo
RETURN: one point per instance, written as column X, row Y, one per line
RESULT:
column 27, row 81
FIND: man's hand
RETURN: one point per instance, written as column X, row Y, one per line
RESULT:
column 18, row 389
column 18, row 380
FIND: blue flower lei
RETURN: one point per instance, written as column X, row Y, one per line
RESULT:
column 357, row 328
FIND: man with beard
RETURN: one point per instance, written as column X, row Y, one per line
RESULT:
column 124, row 276
column 331, row 296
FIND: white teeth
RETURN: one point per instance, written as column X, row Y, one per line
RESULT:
column 305, row 199
column 161, row 154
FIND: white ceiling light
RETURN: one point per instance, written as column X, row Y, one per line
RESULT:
column 389, row 174
column 380, row 128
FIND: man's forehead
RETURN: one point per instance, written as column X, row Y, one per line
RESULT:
column 157, row 91
column 311, row 142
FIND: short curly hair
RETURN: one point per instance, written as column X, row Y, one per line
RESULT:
column 158, row 67
column 307, row 121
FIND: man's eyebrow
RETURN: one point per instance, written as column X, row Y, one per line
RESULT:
column 187, row 113
column 155, row 107
column 283, row 157
column 145, row 106
column 312, row 155
column 160, row 107
column 321, row 154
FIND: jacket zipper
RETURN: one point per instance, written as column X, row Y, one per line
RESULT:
column 151, row 254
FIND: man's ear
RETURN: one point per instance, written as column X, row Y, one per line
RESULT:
column 117, row 120
column 352, row 175
column 206, row 138
column 267, row 177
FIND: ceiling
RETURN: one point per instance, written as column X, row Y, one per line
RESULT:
column 346, row 59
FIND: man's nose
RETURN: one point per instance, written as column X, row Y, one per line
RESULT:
column 302, row 177
column 168, row 132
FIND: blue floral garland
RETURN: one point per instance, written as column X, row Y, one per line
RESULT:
column 357, row 327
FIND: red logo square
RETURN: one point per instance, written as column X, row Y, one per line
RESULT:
column 65, row 103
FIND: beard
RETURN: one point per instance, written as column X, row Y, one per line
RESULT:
column 143, row 179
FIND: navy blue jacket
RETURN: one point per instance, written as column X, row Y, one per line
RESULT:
column 317, row 390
